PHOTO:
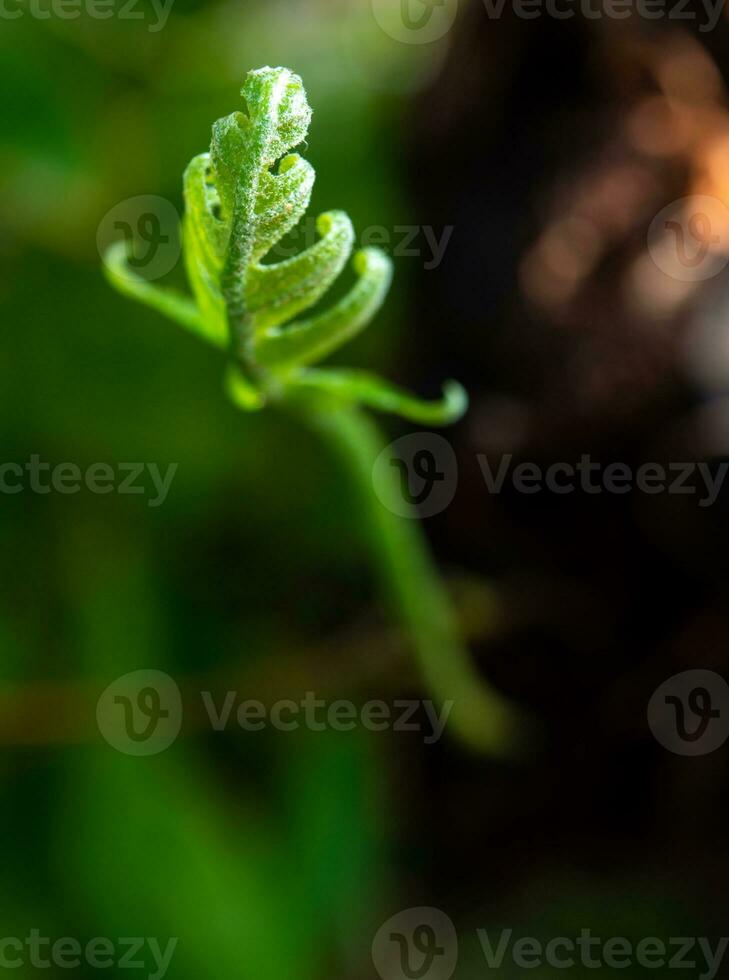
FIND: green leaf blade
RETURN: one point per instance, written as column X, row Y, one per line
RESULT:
column 310, row 340
column 277, row 293
column 364, row 388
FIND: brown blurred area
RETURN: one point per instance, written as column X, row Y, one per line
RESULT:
column 551, row 147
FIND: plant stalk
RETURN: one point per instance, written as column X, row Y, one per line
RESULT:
column 481, row 716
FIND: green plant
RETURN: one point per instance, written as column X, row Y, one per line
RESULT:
column 241, row 198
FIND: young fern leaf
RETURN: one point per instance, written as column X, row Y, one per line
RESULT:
column 241, row 199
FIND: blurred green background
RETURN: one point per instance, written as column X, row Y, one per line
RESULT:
column 269, row 856
column 266, row 854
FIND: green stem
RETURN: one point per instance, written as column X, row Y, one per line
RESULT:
column 481, row 716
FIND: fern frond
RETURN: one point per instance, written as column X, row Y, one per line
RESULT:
column 241, row 199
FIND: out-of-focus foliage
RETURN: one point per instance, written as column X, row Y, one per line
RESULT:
column 273, row 858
